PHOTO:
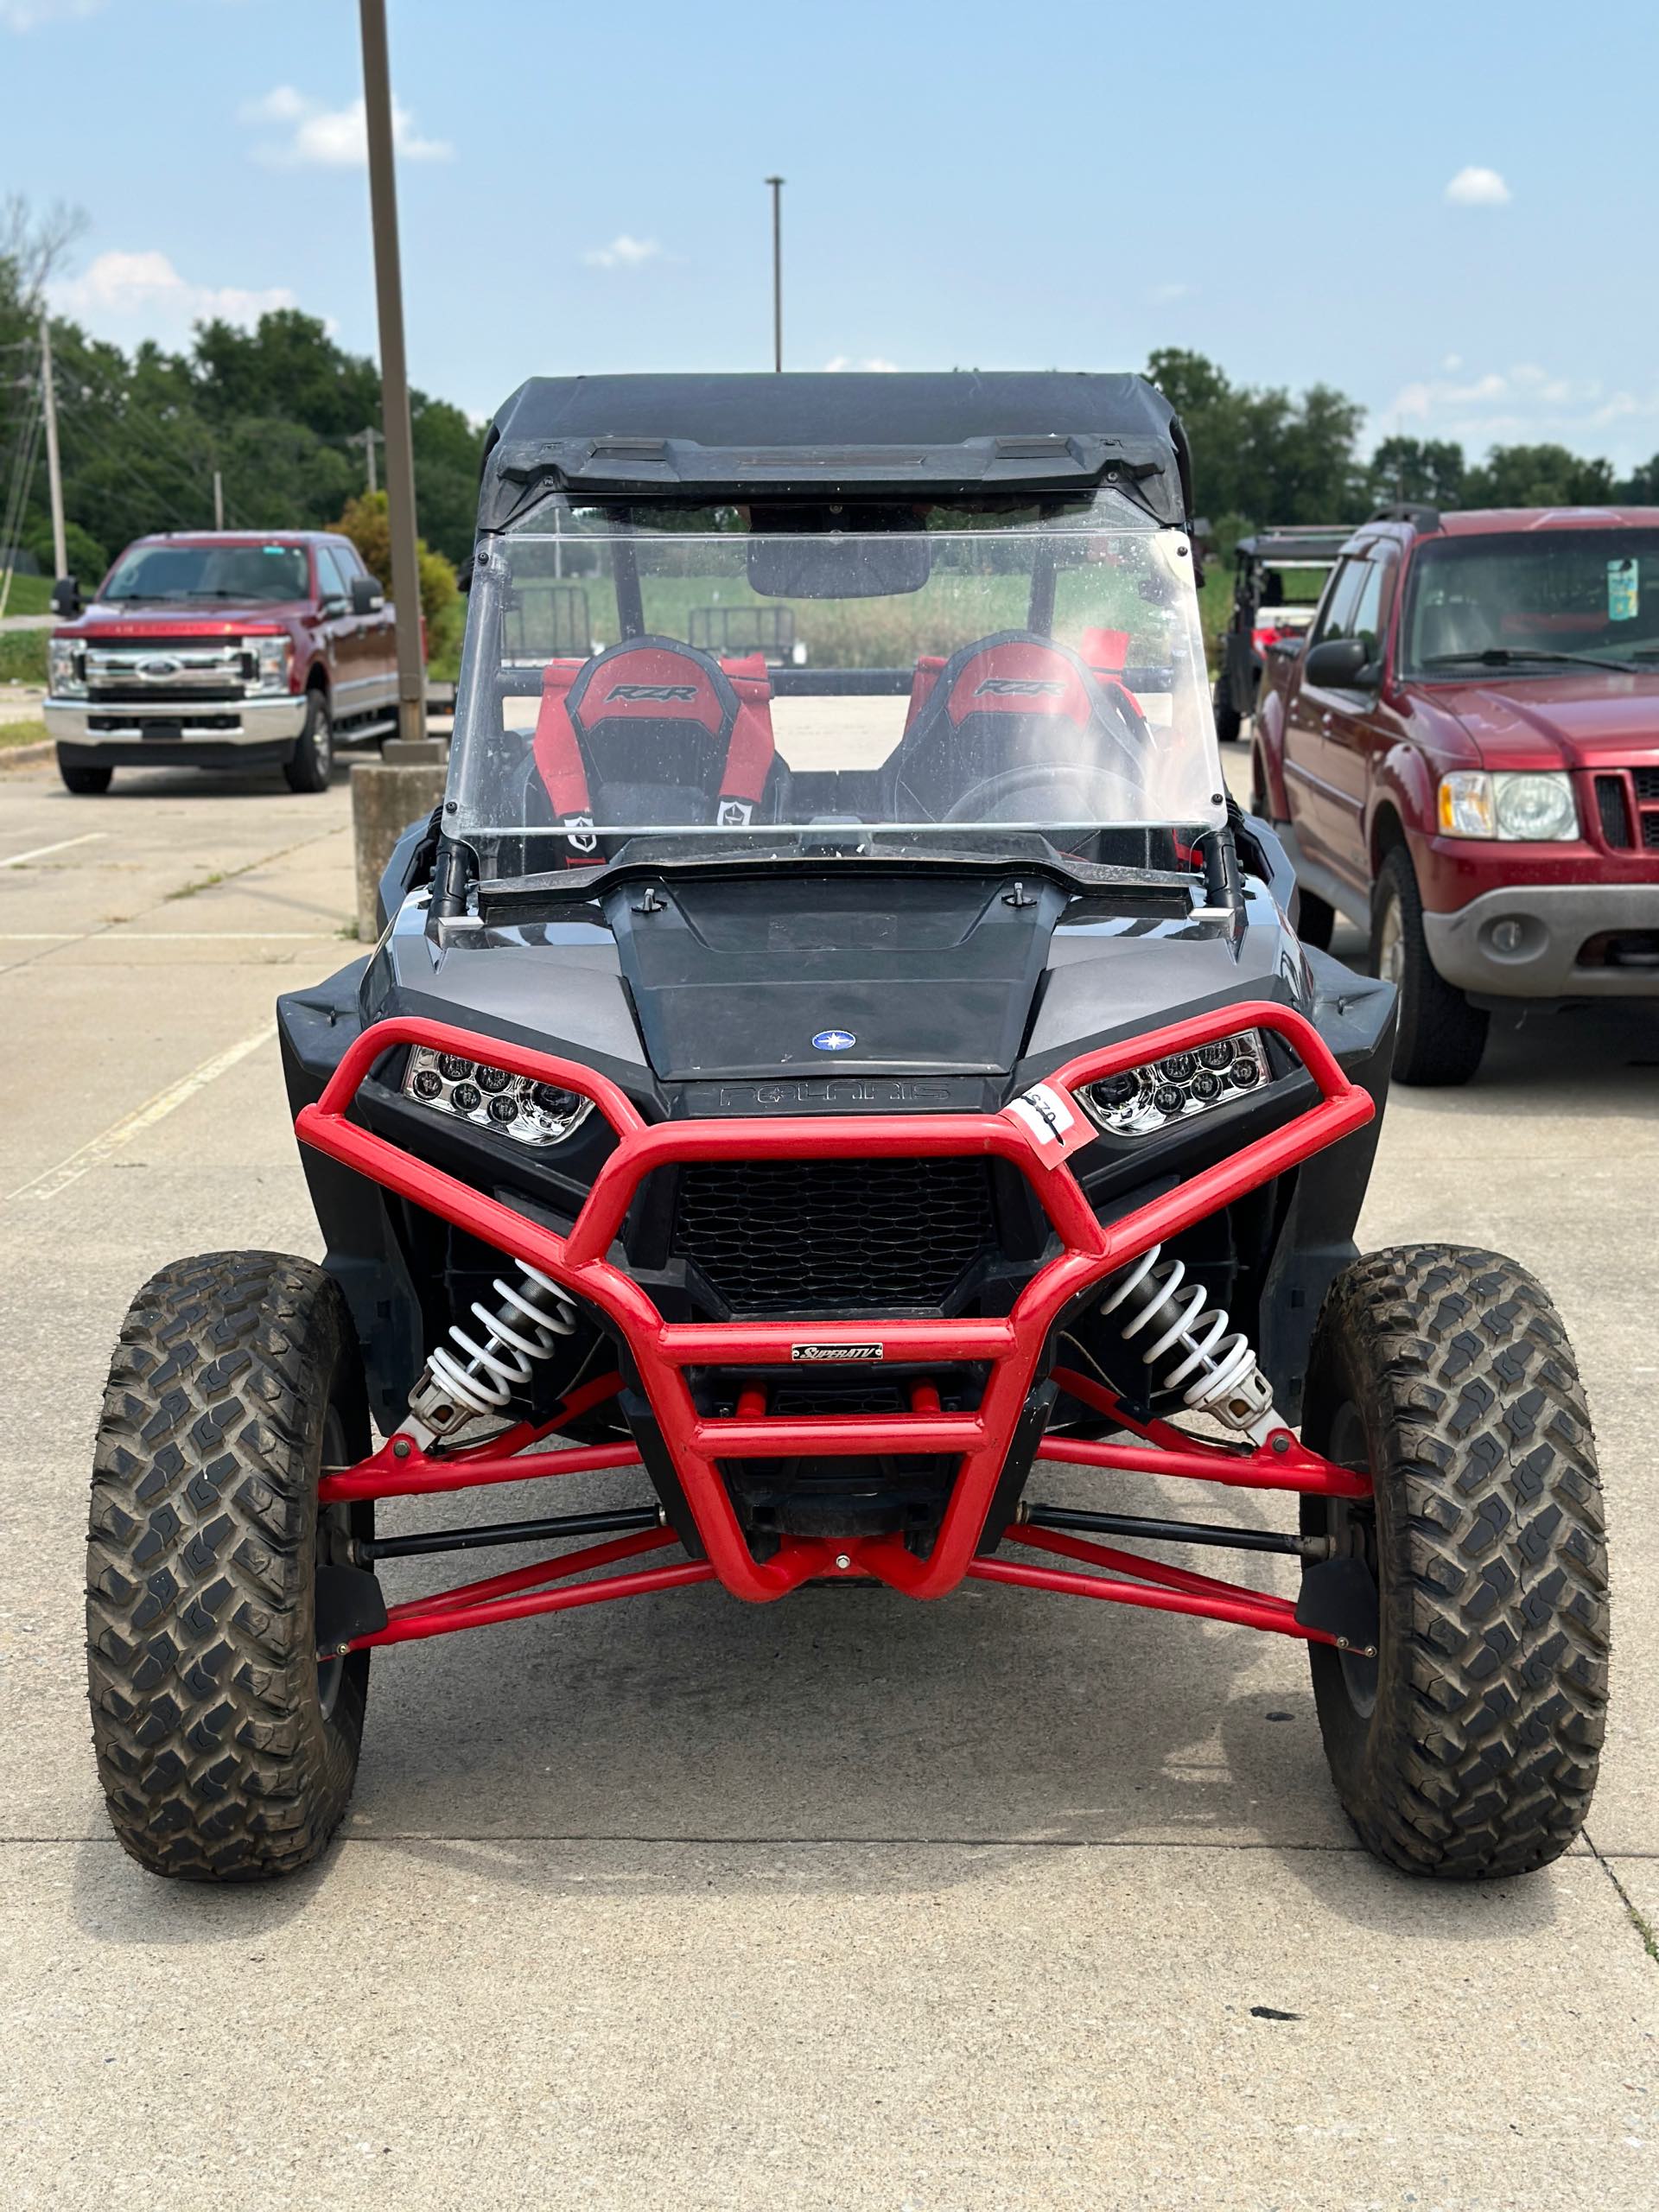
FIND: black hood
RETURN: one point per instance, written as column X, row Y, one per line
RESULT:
column 864, row 975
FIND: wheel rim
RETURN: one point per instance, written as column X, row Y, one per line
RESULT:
column 323, row 742
column 1391, row 946
column 1351, row 1525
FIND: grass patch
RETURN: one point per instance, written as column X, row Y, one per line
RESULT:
column 25, row 733
column 203, row 883
column 30, row 595
column 22, row 656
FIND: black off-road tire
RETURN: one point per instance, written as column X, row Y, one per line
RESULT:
column 1229, row 722
column 1439, row 1037
column 225, row 1753
column 86, row 781
column 1468, row 1748
column 310, row 767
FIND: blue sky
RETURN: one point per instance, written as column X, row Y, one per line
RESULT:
column 1447, row 210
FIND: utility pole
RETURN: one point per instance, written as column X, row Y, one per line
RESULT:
column 394, row 374
column 54, row 472
column 368, row 440
column 777, row 184
column 219, row 500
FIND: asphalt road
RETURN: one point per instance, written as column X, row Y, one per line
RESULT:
column 1007, row 1903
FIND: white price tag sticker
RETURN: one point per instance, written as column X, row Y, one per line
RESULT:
column 1058, row 1126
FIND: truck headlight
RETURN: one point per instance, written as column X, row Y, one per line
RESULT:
column 1534, row 806
column 516, row 1105
column 1142, row 1101
column 64, row 679
column 271, row 658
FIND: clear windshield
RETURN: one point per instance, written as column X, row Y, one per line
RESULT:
column 735, row 685
column 1540, row 597
column 273, row 573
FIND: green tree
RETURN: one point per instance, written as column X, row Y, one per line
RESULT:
column 1539, row 476
column 1430, row 471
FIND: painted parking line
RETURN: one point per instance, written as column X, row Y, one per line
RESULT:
column 39, row 852
column 47, row 1184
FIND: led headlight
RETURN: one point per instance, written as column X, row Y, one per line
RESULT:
column 64, row 665
column 1536, row 807
column 535, row 1112
column 269, row 659
column 1142, row 1101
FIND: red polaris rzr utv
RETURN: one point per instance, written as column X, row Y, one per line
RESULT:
column 837, row 1084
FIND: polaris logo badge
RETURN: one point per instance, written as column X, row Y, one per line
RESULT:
column 652, row 692
column 1020, row 687
column 816, row 1352
column 834, row 1040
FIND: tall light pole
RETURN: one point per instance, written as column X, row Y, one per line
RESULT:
column 777, row 184
column 53, row 473
column 394, row 374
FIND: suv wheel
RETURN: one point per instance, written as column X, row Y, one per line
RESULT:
column 1440, row 1036
column 312, row 762
column 1467, row 1746
column 84, row 782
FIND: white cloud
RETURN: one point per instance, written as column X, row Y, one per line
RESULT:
column 622, row 252
column 1478, row 187
column 129, row 296
column 872, row 364
column 1167, row 294
column 318, row 137
column 29, row 15
column 1525, row 404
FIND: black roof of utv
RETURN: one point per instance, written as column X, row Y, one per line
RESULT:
column 1043, row 433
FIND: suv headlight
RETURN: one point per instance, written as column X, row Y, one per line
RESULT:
column 1142, row 1101
column 64, row 679
column 511, row 1105
column 270, row 659
column 1536, row 807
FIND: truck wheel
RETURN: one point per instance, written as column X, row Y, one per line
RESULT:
column 1467, row 1748
column 1229, row 722
column 84, row 782
column 312, row 762
column 226, row 1750
column 1440, row 1037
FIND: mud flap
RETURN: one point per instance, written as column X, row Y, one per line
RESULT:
column 1339, row 1596
column 349, row 1604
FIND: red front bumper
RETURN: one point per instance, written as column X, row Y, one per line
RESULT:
column 1013, row 1348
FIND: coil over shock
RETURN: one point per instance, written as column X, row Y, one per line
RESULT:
column 1215, row 1372
column 513, row 1335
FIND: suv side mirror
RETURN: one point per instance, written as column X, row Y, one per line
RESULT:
column 1338, row 664
column 66, row 598
column 367, row 598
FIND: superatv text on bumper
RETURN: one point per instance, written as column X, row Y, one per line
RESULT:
column 1005, row 1432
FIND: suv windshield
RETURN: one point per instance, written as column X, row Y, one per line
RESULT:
column 1541, row 596
column 239, row 572
column 957, row 673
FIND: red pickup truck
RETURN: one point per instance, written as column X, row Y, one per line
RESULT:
column 1463, row 757
column 222, row 649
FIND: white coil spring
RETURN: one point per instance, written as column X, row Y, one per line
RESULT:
column 523, row 1328
column 1215, row 1372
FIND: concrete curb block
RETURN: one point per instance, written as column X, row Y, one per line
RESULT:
column 19, row 756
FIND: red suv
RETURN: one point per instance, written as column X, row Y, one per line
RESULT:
column 220, row 649
column 1463, row 757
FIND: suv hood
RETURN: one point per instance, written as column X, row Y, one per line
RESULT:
column 1590, row 719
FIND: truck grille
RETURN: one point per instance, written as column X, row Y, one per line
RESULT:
column 1627, row 806
column 812, row 1237
column 154, row 669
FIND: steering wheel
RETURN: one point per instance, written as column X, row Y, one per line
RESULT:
column 1109, row 795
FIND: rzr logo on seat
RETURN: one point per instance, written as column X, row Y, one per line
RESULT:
column 1020, row 687
column 652, row 692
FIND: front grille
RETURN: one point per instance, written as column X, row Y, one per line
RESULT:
column 1612, row 807
column 1647, row 786
column 1650, row 832
column 817, row 1238
column 157, row 695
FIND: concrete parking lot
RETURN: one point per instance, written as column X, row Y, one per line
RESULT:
column 1012, row 1901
